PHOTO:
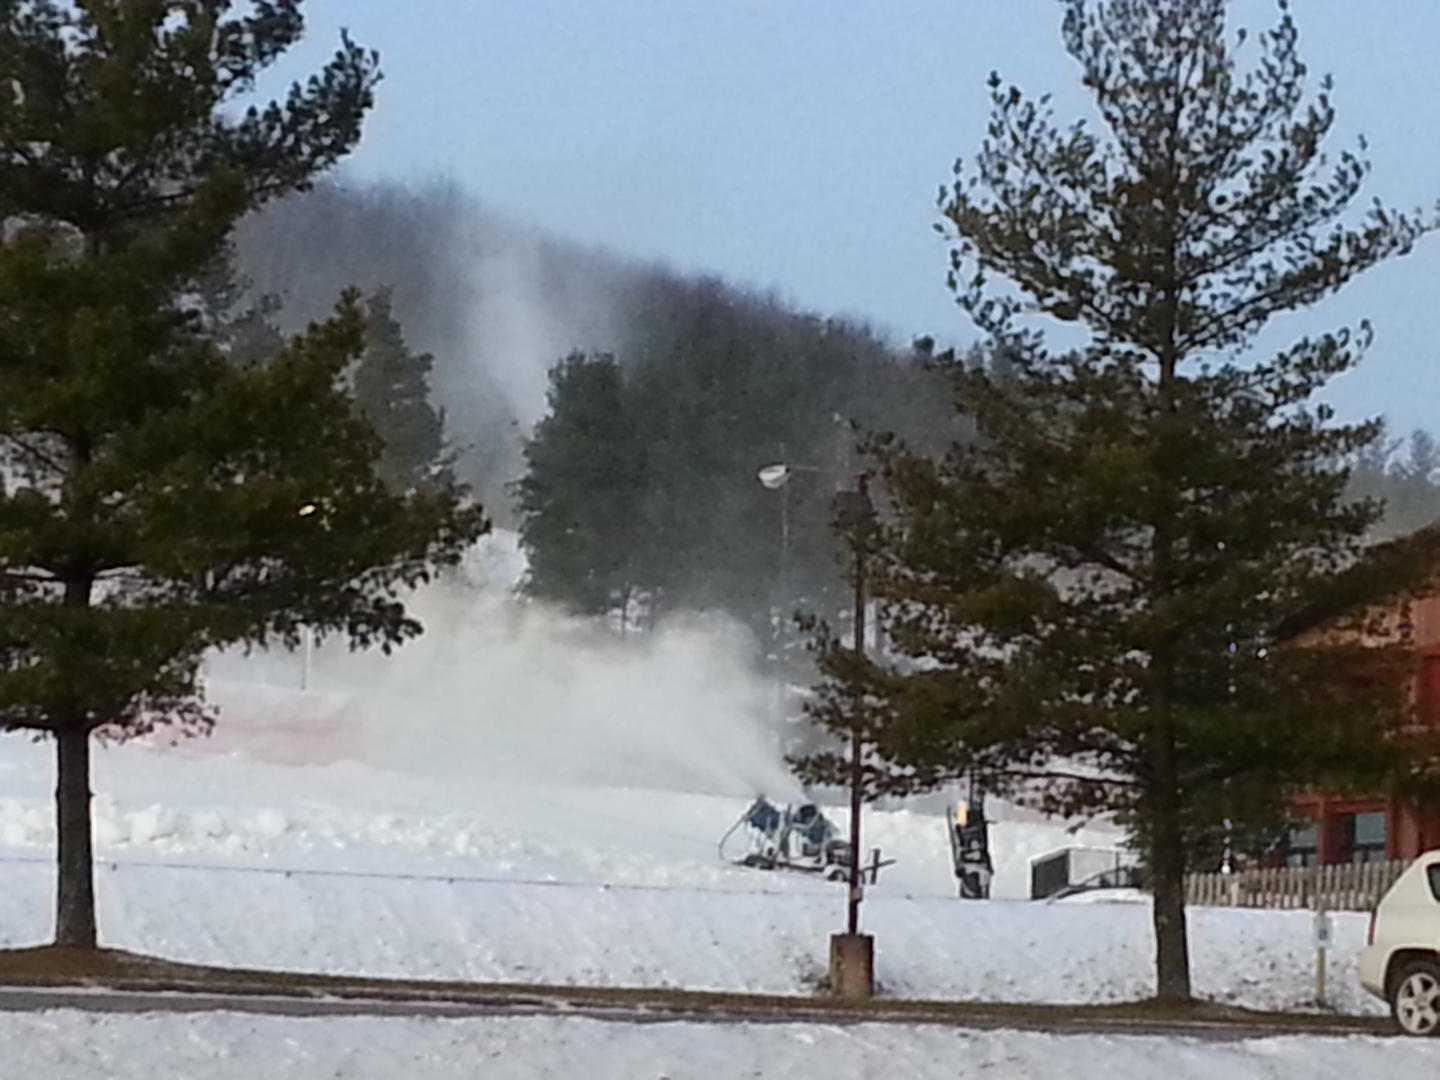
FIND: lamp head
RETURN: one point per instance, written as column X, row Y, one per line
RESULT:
column 773, row 477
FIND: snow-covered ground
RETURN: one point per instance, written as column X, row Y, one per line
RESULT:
column 349, row 868
column 522, row 798
column 232, row 1047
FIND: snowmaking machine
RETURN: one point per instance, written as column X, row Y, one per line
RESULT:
column 970, row 845
column 796, row 837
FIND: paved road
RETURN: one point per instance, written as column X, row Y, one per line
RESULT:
column 104, row 1000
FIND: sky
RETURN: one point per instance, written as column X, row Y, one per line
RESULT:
column 797, row 146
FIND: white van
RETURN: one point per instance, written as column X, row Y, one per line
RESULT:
column 1401, row 960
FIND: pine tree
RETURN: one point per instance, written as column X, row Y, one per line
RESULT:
column 714, row 385
column 1084, row 605
column 1407, row 484
column 241, row 325
column 580, row 498
column 162, row 498
column 392, row 386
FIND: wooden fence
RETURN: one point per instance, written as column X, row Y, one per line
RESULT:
column 1343, row 887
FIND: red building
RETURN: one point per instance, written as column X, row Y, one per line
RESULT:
column 1352, row 830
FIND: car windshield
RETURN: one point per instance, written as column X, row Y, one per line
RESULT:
column 1433, row 873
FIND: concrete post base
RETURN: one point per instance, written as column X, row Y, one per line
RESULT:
column 852, row 965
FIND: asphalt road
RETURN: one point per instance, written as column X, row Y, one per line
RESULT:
column 105, row 1000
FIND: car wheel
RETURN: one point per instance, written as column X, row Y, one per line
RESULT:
column 1415, row 998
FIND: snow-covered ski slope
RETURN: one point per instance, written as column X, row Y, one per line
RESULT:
column 519, row 796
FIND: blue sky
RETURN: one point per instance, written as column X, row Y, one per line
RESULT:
column 798, row 144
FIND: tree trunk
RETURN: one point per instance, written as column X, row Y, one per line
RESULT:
column 1167, row 840
column 75, row 866
column 1167, row 874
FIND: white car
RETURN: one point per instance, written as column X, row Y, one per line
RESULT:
column 1401, row 960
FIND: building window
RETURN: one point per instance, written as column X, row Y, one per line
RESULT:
column 1362, row 837
column 1302, row 845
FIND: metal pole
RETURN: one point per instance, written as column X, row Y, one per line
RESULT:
column 781, row 632
column 857, row 775
column 305, row 656
column 784, row 547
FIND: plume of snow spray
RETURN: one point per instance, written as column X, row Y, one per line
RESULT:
column 509, row 690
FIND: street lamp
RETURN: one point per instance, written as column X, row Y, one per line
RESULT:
column 852, row 954
column 307, row 510
column 777, row 477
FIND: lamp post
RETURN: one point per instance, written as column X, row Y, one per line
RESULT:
column 777, row 477
column 852, row 954
column 308, row 510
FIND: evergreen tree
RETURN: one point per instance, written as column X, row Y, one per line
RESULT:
column 243, row 328
column 713, row 385
column 580, row 497
column 160, row 498
column 392, row 386
column 1083, row 604
column 1408, row 483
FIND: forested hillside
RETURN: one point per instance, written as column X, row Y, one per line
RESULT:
column 617, row 412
